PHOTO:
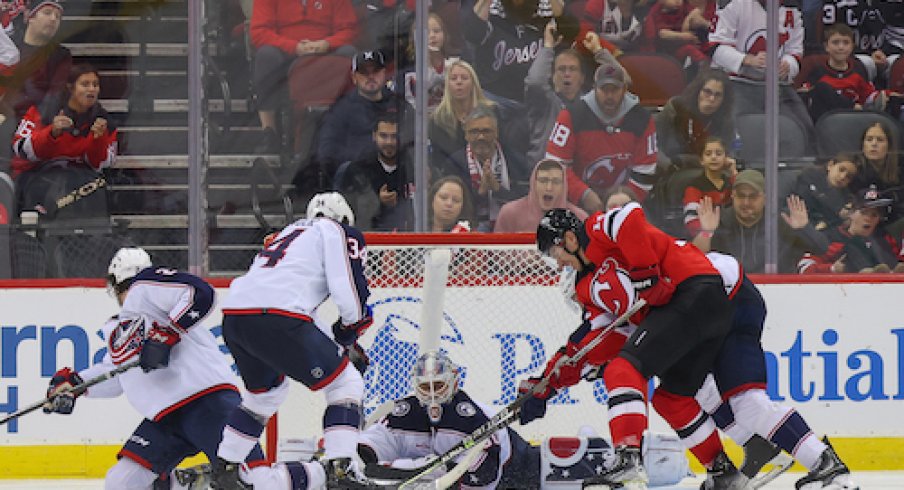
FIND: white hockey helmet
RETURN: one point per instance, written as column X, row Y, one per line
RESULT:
column 435, row 378
column 126, row 264
column 332, row 205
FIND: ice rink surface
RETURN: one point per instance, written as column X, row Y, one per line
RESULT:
column 868, row 480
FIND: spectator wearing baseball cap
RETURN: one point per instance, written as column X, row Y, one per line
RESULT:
column 606, row 138
column 862, row 244
column 346, row 133
column 740, row 229
column 281, row 32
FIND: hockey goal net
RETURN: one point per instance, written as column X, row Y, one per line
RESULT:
column 503, row 313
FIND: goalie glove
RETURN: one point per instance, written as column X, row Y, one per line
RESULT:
column 61, row 399
column 535, row 407
column 651, row 285
column 346, row 335
column 155, row 352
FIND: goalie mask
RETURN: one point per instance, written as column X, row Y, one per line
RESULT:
column 126, row 264
column 435, row 378
column 331, row 205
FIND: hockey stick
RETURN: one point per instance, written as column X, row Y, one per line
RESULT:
column 75, row 390
column 503, row 418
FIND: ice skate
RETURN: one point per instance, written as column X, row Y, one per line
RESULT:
column 830, row 473
column 758, row 453
column 724, row 476
column 194, row 477
column 343, row 473
column 627, row 472
column 224, row 475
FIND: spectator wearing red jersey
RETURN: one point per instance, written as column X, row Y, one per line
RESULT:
column 667, row 29
column 284, row 30
column 74, row 134
column 714, row 182
column 606, row 138
column 841, row 83
column 862, row 244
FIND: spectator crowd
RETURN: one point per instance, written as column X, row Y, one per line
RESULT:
column 536, row 104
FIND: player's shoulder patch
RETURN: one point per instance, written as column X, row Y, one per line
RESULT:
column 401, row 408
column 466, row 409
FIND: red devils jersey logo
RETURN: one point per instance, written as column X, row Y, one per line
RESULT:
column 610, row 289
column 759, row 41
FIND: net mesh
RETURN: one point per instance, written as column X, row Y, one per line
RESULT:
column 504, row 315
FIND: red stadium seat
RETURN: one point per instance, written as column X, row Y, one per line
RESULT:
column 655, row 78
column 896, row 78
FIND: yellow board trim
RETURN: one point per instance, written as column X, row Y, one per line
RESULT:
column 86, row 461
column 70, row 461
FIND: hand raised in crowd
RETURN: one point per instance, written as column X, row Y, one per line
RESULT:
column 591, row 202
column 697, row 20
column 879, row 58
column 99, row 128
column 839, row 266
column 797, row 216
column 708, row 214
column 732, row 166
column 61, row 122
column 551, row 37
column 591, row 41
column 388, row 197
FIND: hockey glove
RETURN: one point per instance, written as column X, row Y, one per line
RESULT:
column 155, row 352
column 564, row 375
column 346, row 335
column 61, row 400
column 651, row 285
column 535, row 407
column 358, row 357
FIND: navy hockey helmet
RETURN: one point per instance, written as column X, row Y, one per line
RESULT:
column 552, row 228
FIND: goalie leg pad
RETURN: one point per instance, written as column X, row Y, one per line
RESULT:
column 126, row 474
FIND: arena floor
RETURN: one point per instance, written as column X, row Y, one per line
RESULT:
column 868, row 480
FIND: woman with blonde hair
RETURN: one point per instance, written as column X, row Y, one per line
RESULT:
column 461, row 95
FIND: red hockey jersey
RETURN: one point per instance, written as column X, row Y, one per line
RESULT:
column 625, row 235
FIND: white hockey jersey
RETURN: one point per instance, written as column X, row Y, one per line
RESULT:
column 740, row 29
column 308, row 261
column 730, row 270
column 196, row 365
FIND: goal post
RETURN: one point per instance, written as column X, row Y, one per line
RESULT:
column 488, row 300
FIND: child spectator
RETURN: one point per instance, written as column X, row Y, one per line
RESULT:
column 449, row 206
column 715, row 182
column 861, row 245
column 840, row 83
column 825, row 190
column 438, row 63
column 667, row 32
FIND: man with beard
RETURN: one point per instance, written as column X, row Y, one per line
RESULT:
column 496, row 175
column 741, row 231
column 606, row 138
column 504, row 45
column 345, row 134
column 382, row 183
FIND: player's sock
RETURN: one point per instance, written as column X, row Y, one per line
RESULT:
column 340, row 429
column 627, row 403
column 240, row 435
column 694, row 426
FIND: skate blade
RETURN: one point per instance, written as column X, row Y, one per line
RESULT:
column 636, row 485
column 779, row 464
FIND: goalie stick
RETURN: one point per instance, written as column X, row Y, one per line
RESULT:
column 76, row 390
column 502, row 419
